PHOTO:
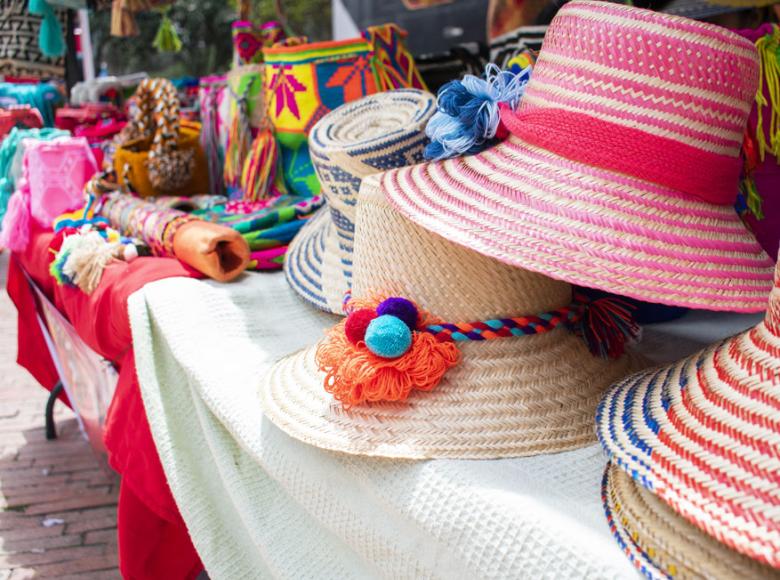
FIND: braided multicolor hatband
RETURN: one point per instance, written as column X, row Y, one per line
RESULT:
column 504, row 327
column 385, row 349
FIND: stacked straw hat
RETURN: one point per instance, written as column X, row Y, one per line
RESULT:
column 621, row 167
column 703, row 435
column 375, row 133
column 517, row 384
column 662, row 544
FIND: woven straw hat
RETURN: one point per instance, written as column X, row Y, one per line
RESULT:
column 660, row 543
column 621, row 167
column 704, row 435
column 375, row 133
column 508, row 397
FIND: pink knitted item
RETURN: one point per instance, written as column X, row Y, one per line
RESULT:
column 15, row 229
column 621, row 166
column 57, row 172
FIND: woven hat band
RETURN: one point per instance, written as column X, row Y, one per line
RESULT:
column 683, row 169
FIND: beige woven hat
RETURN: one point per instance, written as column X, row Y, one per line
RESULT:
column 661, row 543
column 513, row 396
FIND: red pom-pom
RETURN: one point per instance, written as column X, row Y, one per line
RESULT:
column 357, row 323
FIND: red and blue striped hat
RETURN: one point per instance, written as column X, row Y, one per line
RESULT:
column 704, row 435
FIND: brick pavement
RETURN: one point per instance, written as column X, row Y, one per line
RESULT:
column 57, row 504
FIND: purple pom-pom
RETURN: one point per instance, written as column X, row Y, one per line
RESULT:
column 400, row 308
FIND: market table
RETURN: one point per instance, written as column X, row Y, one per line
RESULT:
column 258, row 503
column 149, row 525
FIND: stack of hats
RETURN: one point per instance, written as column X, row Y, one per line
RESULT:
column 695, row 449
column 372, row 134
column 464, row 338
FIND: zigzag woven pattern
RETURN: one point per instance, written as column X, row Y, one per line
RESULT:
column 621, row 167
column 360, row 138
column 700, row 81
column 20, row 54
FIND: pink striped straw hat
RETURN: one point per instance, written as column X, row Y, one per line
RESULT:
column 621, row 166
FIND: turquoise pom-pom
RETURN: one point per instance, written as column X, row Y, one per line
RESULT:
column 388, row 336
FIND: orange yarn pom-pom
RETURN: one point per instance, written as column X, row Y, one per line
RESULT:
column 354, row 375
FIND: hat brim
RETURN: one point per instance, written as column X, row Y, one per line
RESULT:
column 660, row 543
column 693, row 434
column 506, row 398
column 315, row 265
column 533, row 209
column 640, row 559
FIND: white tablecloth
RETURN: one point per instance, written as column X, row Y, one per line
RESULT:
column 259, row 504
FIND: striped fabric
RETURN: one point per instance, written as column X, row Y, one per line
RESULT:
column 704, row 433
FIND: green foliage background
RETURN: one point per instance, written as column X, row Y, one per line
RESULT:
column 204, row 27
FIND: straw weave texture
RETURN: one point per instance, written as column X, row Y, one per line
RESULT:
column 375, row 133
column 676, row 547
column 688, row 84
column 703, row 435
column 509, row 397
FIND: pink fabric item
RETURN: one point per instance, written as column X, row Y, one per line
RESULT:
column 57, row 172
column 622, row 165
column 15, row 231
column 680, row 167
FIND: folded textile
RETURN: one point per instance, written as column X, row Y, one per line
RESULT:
column 53, row 179
column 11, row 158
column 44, row 96
column 268, row 231
column 22, row 116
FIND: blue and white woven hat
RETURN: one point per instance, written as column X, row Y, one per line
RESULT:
column 367, row 136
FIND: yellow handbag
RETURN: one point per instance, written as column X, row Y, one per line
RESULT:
column 158, row 156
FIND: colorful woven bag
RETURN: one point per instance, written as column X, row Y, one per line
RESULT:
column 249, row 39
column 157, row 155
column 303, row 82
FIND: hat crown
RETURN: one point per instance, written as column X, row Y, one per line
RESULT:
column 373, row 134
column 667, row 76
column 772, row 319
column 396, row 257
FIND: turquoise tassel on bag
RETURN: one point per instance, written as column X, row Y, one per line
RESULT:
column 50, row 39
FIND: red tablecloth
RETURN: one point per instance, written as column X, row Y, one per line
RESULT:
column 153, row 540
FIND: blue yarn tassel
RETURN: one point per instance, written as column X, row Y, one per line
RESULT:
column 468, row 115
